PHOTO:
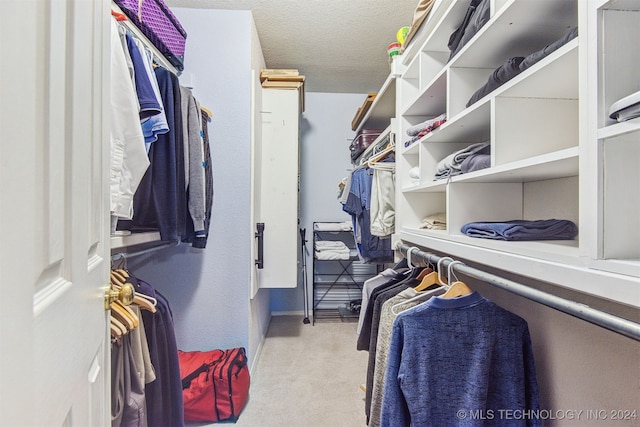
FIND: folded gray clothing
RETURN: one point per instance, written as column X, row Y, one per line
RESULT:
column 500, row 76
column 451, row 165
column 475, row 162
column 415, row 130
column 548, row 49
column 480, row 14
column 546, row 229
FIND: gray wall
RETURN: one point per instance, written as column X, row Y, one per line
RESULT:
column 324, row 161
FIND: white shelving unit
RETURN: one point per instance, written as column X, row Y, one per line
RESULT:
column 612, row 149
column 383, row 107
column 554, row 152
column 382, row 111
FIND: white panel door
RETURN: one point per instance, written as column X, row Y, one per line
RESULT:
column 54, row 256
column 278, row 188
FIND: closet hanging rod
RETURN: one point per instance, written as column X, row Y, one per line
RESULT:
column 606, row 320
column 125, row 255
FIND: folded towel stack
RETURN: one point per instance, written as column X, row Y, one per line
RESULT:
column 437, row 221
column 414, row 175
column 547, row 229
column 333, row 226
column 331, row 250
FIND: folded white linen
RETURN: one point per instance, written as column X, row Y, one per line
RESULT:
column 330, row 245
column 333, row 226
column 437, row 221
column 333, row 255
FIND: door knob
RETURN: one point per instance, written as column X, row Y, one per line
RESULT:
column 124, row 295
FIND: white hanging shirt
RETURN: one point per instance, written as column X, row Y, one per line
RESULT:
column 129, row 159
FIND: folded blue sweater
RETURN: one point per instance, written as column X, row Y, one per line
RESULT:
column 547, row 229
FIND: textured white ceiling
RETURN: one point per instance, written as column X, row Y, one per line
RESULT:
column 338, row 45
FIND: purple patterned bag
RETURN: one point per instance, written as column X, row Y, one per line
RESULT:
column 162, row 28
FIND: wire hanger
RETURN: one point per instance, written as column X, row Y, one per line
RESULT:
column 457, row 288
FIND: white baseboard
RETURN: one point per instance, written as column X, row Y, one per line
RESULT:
column 254, row 362
column 288, row 313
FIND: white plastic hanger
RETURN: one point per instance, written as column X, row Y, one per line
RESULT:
column 409, row 263
column 457, row 288
column 439, row 268
column 420, row 297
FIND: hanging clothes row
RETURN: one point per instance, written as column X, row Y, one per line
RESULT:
column 161, row 175
column 436, row 347
column 368, row 195
column 146, row 385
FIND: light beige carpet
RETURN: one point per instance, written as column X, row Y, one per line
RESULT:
column 307, row 376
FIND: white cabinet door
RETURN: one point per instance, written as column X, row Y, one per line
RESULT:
column 278, row 188
column 54, row 256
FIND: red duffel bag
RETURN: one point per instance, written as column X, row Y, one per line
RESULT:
column 215, row 384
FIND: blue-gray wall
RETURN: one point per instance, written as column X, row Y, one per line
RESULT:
column 209, row 289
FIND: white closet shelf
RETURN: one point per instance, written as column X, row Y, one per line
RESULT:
column 618, row 266
column 565, row 251
column 546, row 79
column 383, row 107
column 432, row 99
column 559, row 164
column 441, row 29
column 618, row 129
column 556, row 262
column 470, row 126
column 412, row 149
column 122, row 241
column 517, row 29
column 631, row 5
